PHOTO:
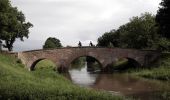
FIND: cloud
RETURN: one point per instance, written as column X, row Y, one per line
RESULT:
column 77, row 20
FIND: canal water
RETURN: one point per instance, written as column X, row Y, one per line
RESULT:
column 120, row 84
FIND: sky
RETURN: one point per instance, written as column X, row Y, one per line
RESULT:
column 72, row 21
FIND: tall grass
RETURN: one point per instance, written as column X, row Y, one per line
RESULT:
column 17, row 83
column 160, row 70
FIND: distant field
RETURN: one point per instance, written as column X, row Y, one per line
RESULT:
column 17, row 83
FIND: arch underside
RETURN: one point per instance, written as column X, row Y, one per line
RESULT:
column 120, row 65
column 64, row 65
column 103, row 58
column 73, row 59
column 134, row 62
column 36, row 62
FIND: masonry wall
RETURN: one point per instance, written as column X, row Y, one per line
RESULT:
column 64, row 56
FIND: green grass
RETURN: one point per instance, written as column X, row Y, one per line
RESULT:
column 17, row 83
column 120, row 64
column 45, row 64
column 160, row 70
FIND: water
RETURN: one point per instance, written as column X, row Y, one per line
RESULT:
column 121, row 84
column 82, row 77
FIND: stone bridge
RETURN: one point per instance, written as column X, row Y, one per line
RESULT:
column 63, row 57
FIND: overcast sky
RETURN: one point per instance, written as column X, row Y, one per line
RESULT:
column 77, row 20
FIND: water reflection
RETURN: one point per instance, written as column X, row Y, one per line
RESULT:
column 123, row 84
column 82, row 77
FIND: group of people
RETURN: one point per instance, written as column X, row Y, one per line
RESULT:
column 90, row 44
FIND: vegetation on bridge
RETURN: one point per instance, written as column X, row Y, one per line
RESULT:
column 18, row 83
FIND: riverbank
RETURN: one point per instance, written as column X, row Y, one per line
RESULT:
column 16, row 82
column 160, row 70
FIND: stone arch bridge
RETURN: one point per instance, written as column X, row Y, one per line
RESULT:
column 63, row 57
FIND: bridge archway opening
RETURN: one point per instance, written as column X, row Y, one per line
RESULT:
column 90, row 63
column 42, row 63
column 126, row 63
column 133, row 63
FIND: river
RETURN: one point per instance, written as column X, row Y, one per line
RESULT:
column 120, row 84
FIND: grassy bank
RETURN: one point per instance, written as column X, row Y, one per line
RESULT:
column 16, row 83
column 160, row 70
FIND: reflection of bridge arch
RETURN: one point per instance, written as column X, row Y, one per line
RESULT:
column 62, row 57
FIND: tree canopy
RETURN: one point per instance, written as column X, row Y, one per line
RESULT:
column 12, row 24
column 109, row 38
column 139, row 32
column 52, row 42
column 163, row 18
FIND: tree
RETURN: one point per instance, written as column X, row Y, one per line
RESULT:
column 139, row 33
column 163, row 18
column 164, row 44
column 12, row 24
column 108, row 39
column 52, row 42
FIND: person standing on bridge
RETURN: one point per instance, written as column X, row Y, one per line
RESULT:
column 91, row 44
column 79, row 44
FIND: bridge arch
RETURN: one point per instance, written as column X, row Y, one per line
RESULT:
column 33, row 65
column 124, row 63
column 65, row 64
column 133, row 62
column 92, row 57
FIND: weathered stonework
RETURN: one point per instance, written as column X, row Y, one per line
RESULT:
column 63, row 57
